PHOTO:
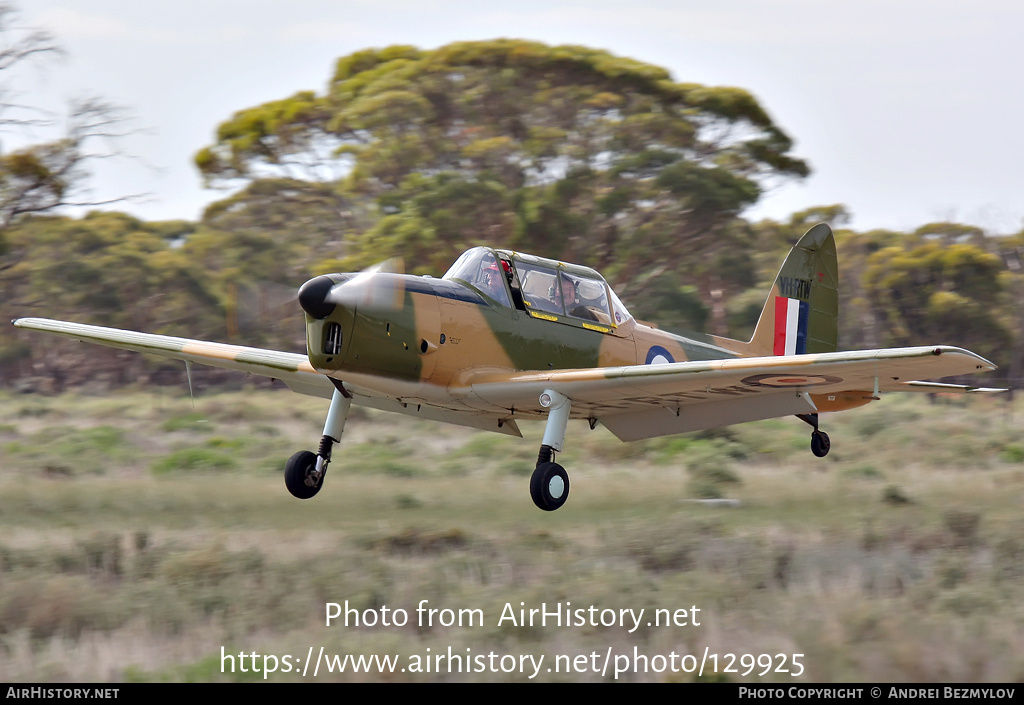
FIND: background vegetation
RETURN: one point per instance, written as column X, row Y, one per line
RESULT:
column 140, row 535
column 567, row 152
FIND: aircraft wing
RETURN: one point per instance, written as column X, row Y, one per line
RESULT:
column 633, row 402
column 291, row 368
column 644, row 401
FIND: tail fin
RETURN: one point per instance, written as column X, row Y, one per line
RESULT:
column 801, row 314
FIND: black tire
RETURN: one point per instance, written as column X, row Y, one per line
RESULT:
column 820, row 443
column 549, row 486
column 296, row 470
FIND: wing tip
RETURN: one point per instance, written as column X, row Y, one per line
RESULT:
column 985, row 366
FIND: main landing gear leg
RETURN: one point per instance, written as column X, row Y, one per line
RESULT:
column 549, row 485
column 304, row 473
column 820, row 443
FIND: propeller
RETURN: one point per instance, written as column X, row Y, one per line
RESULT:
column 255, row 305
column 380, row 286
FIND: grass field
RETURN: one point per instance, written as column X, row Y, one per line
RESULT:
column 140, row 535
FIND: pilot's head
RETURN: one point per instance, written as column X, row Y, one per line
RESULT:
column 568, row 291
column 492, row 277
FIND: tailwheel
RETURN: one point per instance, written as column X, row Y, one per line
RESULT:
column 300, row 475
column 820, row 443
column 549, row 486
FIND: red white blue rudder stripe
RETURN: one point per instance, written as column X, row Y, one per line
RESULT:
column 790, row 326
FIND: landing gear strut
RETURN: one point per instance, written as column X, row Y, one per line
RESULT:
column 304, row 472
column 549, row 486
column 820, row 443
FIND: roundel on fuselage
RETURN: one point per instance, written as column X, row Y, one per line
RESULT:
column 658, row 355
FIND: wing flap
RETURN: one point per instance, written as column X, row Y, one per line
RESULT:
column 484, row 422
column 654, row 422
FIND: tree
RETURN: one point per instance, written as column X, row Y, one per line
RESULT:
column 256, row 247
column 107, row 267
column 567, row 151
column 43, row 177
column 928, row 292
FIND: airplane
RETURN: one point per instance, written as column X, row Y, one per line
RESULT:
column 504, row 336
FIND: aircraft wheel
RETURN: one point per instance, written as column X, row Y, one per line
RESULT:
column 296, row 470
column 549, row 486
column 820, row 444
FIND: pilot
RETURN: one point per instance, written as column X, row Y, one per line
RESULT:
column 568, row 292
column 491, row 281
column 571, row 302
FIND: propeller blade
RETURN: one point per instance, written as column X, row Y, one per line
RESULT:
column 376, row 287
column 380, row 286
column 392, row 265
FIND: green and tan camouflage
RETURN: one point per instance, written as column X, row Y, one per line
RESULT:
column 504, row 336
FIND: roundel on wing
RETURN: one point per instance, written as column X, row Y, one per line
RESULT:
column 773, row 379
column 658, row 355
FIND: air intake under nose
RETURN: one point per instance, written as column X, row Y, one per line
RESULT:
column 332, row 339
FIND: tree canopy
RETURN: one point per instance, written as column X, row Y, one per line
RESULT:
column 925, row 290
column 568, row 151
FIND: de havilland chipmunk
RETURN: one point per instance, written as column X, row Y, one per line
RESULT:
column 504, row 336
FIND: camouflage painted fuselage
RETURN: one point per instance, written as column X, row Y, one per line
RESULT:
column 482, row 345
column 422, row 338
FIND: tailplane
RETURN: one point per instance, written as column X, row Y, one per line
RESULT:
column 801, row 314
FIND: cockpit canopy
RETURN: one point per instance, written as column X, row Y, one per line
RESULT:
column 543, row 288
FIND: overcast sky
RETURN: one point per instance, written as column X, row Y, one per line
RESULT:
column 908, row 111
